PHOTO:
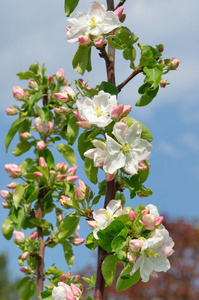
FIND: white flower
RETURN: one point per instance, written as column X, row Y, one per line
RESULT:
column 66, row 292
column 98, row 154
column 154, row 255
column 97, row 111
column 98, row 21
column 153, row 210
column 104, row 217
column 130, row 150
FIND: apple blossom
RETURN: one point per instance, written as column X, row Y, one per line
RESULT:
column 42, row 127
column 6, row 195
column 13, row 169
column 103, row 217
column 60, row 74
column 66, row 94
column 136, row 244
column 41, row 145
column 19, row 236
column 97, row 111
column 154, row 253
column 18, row 92
column 11, row 111
column 65, row 292
column 33, row 236
column 97, row 22
column 98, row 154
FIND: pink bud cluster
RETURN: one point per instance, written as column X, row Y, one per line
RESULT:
column 13, row 169
column 67, row 94
column 149, row 220
column 43, row 127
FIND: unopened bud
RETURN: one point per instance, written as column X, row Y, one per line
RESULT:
column 119, row 11
column 159, row 220
column 91, row 223
column 42, row 162
column 72, row 170
column 60, row 74
column 78, row 241
column 25, row 255
column 51, row 79
column 99, row 42
column 25, row 270
column 174, row 63
column 11, row 111
column 136, row 244
column 126, row 110
column 13, row 169
column 26, row 135
column 84, row 40
column 12, row 185
column 18, row 92
column 5, row 204
column 19, row 236
column 132, row 215
column 62, row 110
column 79, row 194
column 38, row 174
column 61, row 167
column 6, row 195
column 33, row 236
column 149, row 221
column 61, row 177
column 41, row 145
column 75, row 290
column 33, row 85
column 117, row 111
column 71, row 178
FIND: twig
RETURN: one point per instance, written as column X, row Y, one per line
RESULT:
column 135, row 72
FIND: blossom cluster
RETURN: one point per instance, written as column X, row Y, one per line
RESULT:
column 148, row 244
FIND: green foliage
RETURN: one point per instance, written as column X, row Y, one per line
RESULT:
column 17, row 196
column 68, row 226
column 7, row 227
column 28, row 289
column 82, row 59
column 12, row 131
column 91, row 242
column 108, row 88
column 90, row 170
column 146, row 133
column 126, row 281
column 91, row 281
column 68, row 253
column 69, row 6
column 109, row 268
column 68, row 153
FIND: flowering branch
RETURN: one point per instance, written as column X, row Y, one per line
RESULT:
column 135, row 72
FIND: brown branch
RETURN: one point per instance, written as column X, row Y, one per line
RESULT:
column 135, row 72
column 120, row 4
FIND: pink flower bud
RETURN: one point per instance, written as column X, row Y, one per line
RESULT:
column 132, row 215
column 51, row 79
column 33, row 236
column 84, row 124
column 61, row 177
column 72, row 170
column 99, row 42
column 119, row 11
column 175, row 63
column 38, row 174
column 62, row 110
column 50, row 126
column 131, row 257
column 26, row 135
column 84, row 40
column 65, row 81
column 12, row 185
column 75, row 290
column 163, row 83
column 42, row 162
column 69, row 91
column 159, row 220
column 65, row 201
column 71, row 178
column 169, row 253
column 91, row 223
column 61, row 167
column 33, row 85
column 18, row 92
column 79, row 194
column 6, row 195
column 41, row 145
column 142, row 166
column 25, row 255
column 145, row 211
column 126, row 110
column 13, row 170
column 149, row 221
column 60, row 74
column 11, row 111
column 81, row 80
column 78, row 241
column 5, row 204
column 117, row 111
column 82, row 185
column 53, row 173
column 136, row 244
column 24, row 270
column 19, row 236
column 154, row 274
column 40, row 126
column 76, row 277
column 88, row 87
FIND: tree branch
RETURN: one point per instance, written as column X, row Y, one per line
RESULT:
column 135, row 72
column 120, row 4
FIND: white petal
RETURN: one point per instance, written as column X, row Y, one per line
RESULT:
column 143, row 149
column 98, row 215
column 133, row 133
column 153, row 210
column 111, row 21
column 120, row 131
column 114, row 162
column 113, row 206
column 112, row 146
column 131, row 163
column 97, row 10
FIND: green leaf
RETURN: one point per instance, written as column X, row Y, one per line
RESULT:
column 22, row 282
column 26, row 75
column 54, row 271
column 83, row 144
column 40, row 113
column 125, row 35
column 12, row 131
column 17, row 196
column 28, row 290
column 147, row 93
column 109, row 233
column 18, row 215
column 91, row 282
column 46, row 295
column 109, row 268
column 124, row 283
column 72, row 130
column 68, row 153
column 90, row 170
column 146, row 133
column 68, row 226
column 47, row 154
column 69, row 6
column 41, row 223
column 34, row 67
column 68, row 253
column 91, row 242
column 89, row 298
column 21, row 148
column 153, row 75
column 82, row 59
column 116, row 43
column 118, row 243
column 108, row 88
column 7, row 227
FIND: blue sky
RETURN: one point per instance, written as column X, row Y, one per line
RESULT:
column 35, row 31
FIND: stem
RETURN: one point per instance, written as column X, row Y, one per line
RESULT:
column 135, row 72
column 40, row 257
column 110, row 186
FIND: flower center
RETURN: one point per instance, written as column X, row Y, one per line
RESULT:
column 93, row 23
column 98, row 111
column 151, row 252
column 107, row 215
column 126, row 148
